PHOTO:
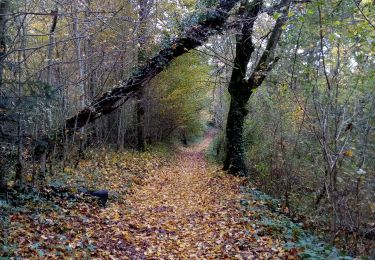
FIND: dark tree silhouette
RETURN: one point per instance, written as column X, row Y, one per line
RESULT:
column 240, row 88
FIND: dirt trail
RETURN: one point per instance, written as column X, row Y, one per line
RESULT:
column 191, row 210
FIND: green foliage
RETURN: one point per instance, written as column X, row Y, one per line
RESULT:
column 296, row 239
column 182, row 90
column 160, row 149
column 295, row 116
column 216, row 151
column 206, row 3
column 200, row 11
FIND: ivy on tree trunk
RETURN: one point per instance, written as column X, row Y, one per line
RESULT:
column 240, row 88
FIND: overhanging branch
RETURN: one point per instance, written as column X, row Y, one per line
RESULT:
column 193, row 37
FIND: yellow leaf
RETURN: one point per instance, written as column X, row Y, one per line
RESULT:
column 116, row 216
column 348, row 153
column 10, row 184
column 126, row 235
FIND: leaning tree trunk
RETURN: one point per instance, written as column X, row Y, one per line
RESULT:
column 192, row 37
column 240, row 88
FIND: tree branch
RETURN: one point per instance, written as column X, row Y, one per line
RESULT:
column 193, row 37
column 267, row 60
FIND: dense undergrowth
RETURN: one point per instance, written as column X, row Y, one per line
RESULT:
column 300, row 236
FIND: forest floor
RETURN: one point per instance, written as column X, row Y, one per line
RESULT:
column 191, row 210
column 174, row 207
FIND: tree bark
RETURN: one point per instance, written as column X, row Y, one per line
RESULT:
column 4, row 8
column 20, row 116
column 193, row 37
column 144, row 12
column 241, row 89
column 51, row 46
column 234, row 160
column 47, row 115
column 77, row 41
column 140, row 110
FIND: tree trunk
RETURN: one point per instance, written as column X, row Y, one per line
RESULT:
column 89, row 67
column 234, row 161
column 121, row 128
column 51, row 46
column 240, row 92
column 20, row 115
column 140, row 110
column 4, row 6
column 77, row 41
column 142, row 40
column 240, row 88
column 47, row 115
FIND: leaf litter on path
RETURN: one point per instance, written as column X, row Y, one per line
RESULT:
column 181, row 209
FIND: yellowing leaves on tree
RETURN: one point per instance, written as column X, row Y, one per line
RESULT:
column 348, row 153
column 366, row 2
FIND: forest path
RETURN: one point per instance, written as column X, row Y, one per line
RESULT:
column 190, row 209
column 180, row 207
